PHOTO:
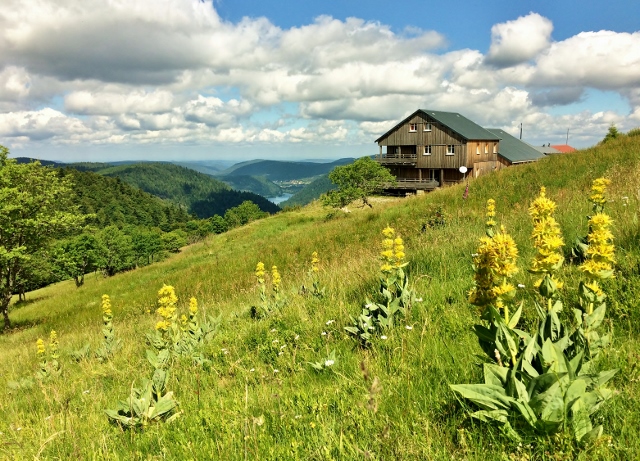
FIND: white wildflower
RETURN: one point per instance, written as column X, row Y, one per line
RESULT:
column 328, row 363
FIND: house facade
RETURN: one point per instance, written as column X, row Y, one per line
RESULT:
column 427, row 149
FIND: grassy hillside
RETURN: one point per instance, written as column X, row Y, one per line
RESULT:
column 260, row 398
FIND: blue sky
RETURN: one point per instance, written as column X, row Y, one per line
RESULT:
column 186, row 79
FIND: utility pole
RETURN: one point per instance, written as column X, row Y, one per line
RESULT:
column 521, row 131
column 567, row 141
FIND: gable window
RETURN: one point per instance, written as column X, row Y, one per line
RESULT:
column 413, row 127
column 427, row 150
column 427, row 127
column 450, row 149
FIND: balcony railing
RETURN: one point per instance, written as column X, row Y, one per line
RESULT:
column 418, row 184
column 397, row 159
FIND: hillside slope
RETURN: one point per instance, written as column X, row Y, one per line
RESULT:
column 260, row 399
column 198, row 193
column 277, row 170
column 310, row 192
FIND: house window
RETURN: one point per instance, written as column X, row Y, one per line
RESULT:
column 477, row 150
column 486, row 148
column 495, row 147
column 427, row 150
column 413, row 127
column 450, row 149
column 427, row 127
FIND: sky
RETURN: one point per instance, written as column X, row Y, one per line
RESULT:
column 107, row 80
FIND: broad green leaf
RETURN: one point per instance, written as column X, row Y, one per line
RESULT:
column 494, row 374
column 164, row 405
column 487, row 416
column 526, row 411
column 515, row 318
column 575, row 391
column 604, row 376
column 485, row 396
column 595, row 319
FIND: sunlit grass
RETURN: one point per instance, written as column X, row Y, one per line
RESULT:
column 241, row 408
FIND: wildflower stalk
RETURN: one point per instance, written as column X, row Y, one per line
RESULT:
column 548, row 242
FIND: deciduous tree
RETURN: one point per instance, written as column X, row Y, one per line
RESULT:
column 357, row 181
column 35, row 207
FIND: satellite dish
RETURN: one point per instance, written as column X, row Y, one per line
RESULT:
column 462, row 169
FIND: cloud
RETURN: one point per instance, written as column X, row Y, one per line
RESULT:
column 604, row 60
column 518, row 41
column 112, row 103
column 556, row 96
column 172, row 72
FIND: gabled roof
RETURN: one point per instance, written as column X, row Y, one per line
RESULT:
column 452, row 120
column 547, row 150
column 564, row 148
column 515, row 150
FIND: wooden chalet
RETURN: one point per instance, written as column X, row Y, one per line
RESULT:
column 427, row 149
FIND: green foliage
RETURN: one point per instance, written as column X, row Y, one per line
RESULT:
column 612, row 134
column 256, row 184
column 76, row 256
column 310, row 192
column 174, row 240
column 276, row 170
column 110, row 201
column 402, row 409
column 115, row 251
column 357, row 181
column 436, row 217
column 243, row 214
column 150, row 403
column 633, row 132
column 326, row 363
column 394, row 298
column 218, row 224
column 546, row 381
column 35, row 208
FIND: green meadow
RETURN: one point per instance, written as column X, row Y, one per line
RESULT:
column 258, row 397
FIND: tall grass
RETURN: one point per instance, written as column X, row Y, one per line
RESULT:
column 389, row 402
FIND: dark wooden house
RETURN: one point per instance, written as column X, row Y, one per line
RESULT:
column 427, row 149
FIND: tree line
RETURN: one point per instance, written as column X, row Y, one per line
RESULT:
column 58, row 224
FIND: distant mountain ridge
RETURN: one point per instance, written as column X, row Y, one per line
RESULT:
column 276, row 170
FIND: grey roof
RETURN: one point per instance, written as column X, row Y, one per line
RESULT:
column 515, row 150
column 546, row 149
column 454, row 121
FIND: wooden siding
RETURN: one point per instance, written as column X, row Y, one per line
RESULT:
column 439, row 135
column 440, row 159
column 476, row 152
column 482, row 168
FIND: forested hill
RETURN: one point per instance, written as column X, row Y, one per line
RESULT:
column 198, row 193
column 283, row 171
column 116, row 202
column 310, row 192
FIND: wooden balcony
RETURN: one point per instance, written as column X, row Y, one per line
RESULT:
column 397, row 159
column 416, row 184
